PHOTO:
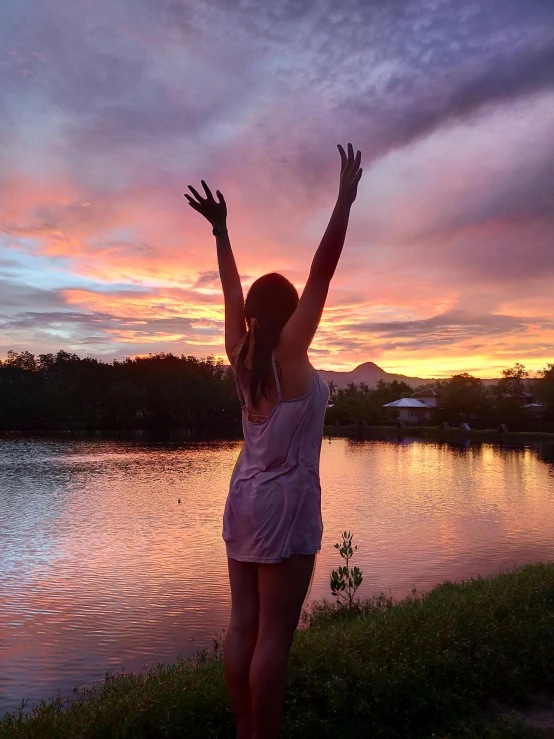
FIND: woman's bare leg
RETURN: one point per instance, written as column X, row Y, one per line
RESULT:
column 240, row 641
column 282, row 589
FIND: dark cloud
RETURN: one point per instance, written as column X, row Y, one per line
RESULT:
column 53, row 323
column 448, row 331
column 442, row 96
column 391, row 74
column 452, row 326
column 8, row 267
column 436, row 345
column 30, row 319
column 207, row 279
column 119, row 99
column 519, row 195
column 72, row 329
column 506, row 257
column 84, row 62
column 388, row 74
column 14, row 295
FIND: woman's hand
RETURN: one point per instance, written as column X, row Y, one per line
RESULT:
column 350, row 174
column 214, row 212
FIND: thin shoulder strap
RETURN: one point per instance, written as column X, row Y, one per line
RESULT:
column 277, row 383
column 239, row 389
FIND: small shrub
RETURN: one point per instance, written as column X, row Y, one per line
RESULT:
column 346, row 580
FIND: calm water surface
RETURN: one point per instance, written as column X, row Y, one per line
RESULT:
column 101, row 568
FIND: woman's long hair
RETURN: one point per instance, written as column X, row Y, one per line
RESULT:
column 271, row 300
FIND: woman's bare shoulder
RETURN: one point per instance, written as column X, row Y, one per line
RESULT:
column 291, row 357
column 295, row 372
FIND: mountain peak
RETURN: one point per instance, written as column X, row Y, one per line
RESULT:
column 368, row 365
column 369, row 373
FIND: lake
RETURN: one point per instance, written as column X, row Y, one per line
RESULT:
column 102, row 568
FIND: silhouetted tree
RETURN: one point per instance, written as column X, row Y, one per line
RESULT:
column 55, row 391
column 510, row 397
column 543, row 389
column 464, row 399
column 64, row 391
column 512, row 384
column 360, row 403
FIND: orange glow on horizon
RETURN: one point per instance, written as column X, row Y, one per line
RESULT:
column 152, row 270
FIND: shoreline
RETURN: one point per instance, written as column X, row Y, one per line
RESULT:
column 360, row 432
column 466, row 660
column 434, row 432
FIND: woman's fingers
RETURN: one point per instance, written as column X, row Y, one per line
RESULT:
column 343, row 159
column 196, row 194
column 207, row 190
column 192, row 203
column 220, row 198
column 350, row 161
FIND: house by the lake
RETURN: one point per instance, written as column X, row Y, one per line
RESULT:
column 528, row 403
column 416, row 409
column 410, row 410
column 430, row 396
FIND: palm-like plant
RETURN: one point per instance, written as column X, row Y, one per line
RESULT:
column 346, row 580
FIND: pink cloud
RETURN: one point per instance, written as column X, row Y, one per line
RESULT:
column 454, row 211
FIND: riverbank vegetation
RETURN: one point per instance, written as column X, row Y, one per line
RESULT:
column 64, row 392
column 463, row 399
column 465, row 660
column 162, row 391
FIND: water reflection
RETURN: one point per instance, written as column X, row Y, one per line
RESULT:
column 103, row 568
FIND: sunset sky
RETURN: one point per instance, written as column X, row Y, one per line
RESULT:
column 110, row 109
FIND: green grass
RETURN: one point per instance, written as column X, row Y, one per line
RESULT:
column 429, row 666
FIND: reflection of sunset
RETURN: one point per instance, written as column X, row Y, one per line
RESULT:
column 101, row 563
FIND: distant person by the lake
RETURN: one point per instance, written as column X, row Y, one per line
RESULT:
column 272, row 524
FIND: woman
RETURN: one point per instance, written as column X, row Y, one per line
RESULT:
column 272, row 521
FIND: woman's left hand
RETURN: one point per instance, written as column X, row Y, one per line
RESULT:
column 214, row 212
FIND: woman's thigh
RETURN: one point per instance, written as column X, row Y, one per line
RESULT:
column 243, row 578
column 282, row 590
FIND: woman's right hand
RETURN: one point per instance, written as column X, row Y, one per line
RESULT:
column 350, row 174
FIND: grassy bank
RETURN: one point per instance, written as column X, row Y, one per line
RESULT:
column 438, row 665
column 432, row 432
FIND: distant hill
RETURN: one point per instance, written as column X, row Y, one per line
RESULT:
column 370, row 373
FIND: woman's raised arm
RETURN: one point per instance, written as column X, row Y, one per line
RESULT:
column 299, row 331
column 328, row 253
column 216, row 214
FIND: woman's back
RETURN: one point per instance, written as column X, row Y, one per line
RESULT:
column 273, row 507
column 295, row 379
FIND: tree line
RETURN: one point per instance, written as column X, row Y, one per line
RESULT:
column 63, row 391
column 463, row 399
